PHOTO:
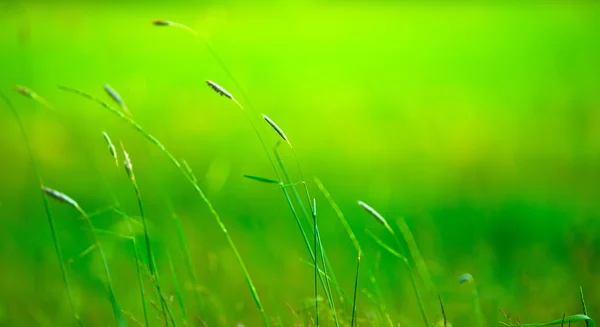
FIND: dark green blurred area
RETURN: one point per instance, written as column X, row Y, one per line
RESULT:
column 478, row 123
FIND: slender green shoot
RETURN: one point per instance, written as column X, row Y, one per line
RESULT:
column 189, row 178
column 444, row 311
column 150, row 254
column 263, row 179
column 569, row 319
column 583, row 305
column 410, row 272
column 61, row 197
column 468, row 279
column 177, row 290
column 50, row 218
column 414, row 252
column 356, row 244
column 183, row 245
column 316, row 247
column 355, row 291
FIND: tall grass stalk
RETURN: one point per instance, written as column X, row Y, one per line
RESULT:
column 177, row 289
column 61, row 197
column 414, row 252
column 355, row 290
column 220, row 90
column 182, row 169
column 316, row 264
column 468, row 279
column 250, row 119
column 352, row 236
column 183, row 245
column 413, row 281
column 324, row 261
column 51, row 223
column 154, row 275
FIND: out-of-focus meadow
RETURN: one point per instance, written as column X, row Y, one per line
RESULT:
column 478, row 122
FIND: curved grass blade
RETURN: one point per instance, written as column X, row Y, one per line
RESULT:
column 50, row 218
column 583, row 305
column 570, row 319
column 468, row 278
column 414, row 252
column 263, row 179
column 179, row 166
column 150, row 253
column 409, row 267
column 61, row 197
column 355, row 291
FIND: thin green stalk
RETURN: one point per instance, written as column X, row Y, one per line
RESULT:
column 193, row 183
column 177, row 290
column 355, row 291
column 61, row 197
column 583, row 305
column 150, row 254
column 138, row 262
column 316, row 269
column 49, row 217
column 188, row 261
column 410, row 272
column 468, row 278
column 355, row 242
column 326, row 285
column 113, row 299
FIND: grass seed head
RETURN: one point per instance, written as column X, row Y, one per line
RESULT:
column 111, row 148
column 61, row 197
column 220, row 90
column 374, row 213
column 116, row 97
column 464, row 278
column 24, row 91
column 162, row 22
column 277, row 129
column 127, row 164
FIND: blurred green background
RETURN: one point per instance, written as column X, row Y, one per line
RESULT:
column 478, row 122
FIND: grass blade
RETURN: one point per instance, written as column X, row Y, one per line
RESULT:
column 355, row 291
column 177, row 164
column 468, row 278
column 177, row 290
column 583, row 305
column 61, row 197
column 150, row 253
column 570, row 319
column 50, row 218
column 263, row 179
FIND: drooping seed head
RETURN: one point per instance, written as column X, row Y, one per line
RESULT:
column 111, row 148
column 277, row 129
column 162, row 22
column 375, row 214
column 32, row 95
column 116, row 97
column 464, row 278
column 61, row 197
column 127, row 164
column 220, row 90
column 24, row 91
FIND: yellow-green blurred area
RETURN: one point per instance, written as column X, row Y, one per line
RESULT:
column 478, row 122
